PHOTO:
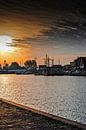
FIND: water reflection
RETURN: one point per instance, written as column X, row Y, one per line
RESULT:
column 64, row 96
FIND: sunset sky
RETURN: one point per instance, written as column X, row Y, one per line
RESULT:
column 32, row 28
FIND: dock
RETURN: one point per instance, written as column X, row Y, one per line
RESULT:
column 15, row 116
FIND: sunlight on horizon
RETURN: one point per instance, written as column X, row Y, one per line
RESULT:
column 5, row 42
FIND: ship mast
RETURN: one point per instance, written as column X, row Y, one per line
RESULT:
column 48, row 61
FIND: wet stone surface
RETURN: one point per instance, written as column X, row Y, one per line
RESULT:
column 16, row 118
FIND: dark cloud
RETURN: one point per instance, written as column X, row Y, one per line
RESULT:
column 62, row 22
column 20, row 40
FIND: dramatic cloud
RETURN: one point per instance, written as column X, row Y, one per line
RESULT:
column 53, row 26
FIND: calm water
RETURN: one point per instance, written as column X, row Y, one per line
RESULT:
column 61, row 95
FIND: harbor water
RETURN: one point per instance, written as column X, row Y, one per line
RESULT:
column 64, row 96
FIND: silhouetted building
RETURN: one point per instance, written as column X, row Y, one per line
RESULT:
column 79, row 63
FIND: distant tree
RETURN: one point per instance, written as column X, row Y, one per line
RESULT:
column 34, row 64
column 30, row 64
column 14, row 66
column 5, row 66
column 23, row 67
column 0, row 67
column 27, row 63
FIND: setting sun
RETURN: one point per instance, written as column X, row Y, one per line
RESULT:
column 5, row 42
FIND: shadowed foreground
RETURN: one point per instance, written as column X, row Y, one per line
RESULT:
column 13, row 117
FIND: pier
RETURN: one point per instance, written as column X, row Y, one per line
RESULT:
column 14, row 116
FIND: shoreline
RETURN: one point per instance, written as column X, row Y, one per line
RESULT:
column 45, row 120
column 69, row 75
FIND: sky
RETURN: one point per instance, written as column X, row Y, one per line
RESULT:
column 32, row 28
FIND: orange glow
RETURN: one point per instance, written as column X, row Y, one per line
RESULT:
column 4, row 41
column 17, row 28
column 17, row 54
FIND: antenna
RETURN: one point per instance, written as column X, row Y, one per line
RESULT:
column 52, row 61
column 46, row 60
